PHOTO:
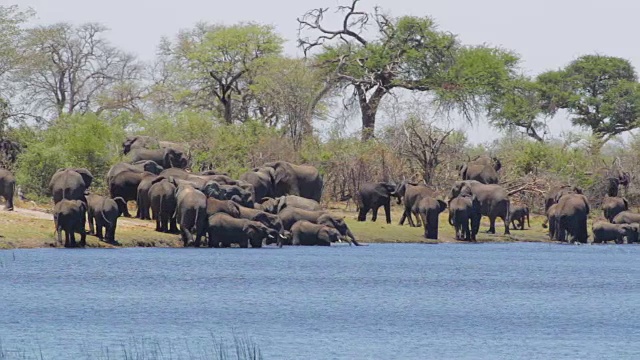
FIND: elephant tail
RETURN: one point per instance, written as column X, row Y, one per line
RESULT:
column 104, row 218
column 450, row 217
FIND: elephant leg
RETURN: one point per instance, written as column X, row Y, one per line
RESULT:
column 173, row 227
column 83, row 237
column 418, row 220
column 91, row 220
column 158, row 224
column 99, row 227
column 505, row 219
column 410, row 215
column 72, row 238
column 431, row 224
column 374, row 216
column 67, row 238
column 244, row 243
column 492, row 225
column 59, row 234
column 387, row 212
column 362, row 213
column 404, row 216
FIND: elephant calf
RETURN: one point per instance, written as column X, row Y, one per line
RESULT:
column 162, row 200
column 605, row 231
column 69, row 216
column 224, row 230
column 429, row 210
column 612, row 206
column 464, row 216
column 105, row 213
column 307, row 233
column 371, row 196
column 519, row 213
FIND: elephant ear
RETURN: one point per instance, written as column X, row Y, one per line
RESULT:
column 158, row 179
column 626, row 203
column 87, row 177
column 122, row 205
column 282, row 204
column 443, row 205
column 463, row 171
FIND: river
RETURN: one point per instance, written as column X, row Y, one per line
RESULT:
column 395, row 301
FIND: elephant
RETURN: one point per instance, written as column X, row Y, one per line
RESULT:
column 229, row 207
column 191, row 213
column 307, row 233
column 612, row 206
column 604, row 231
column 7, row 188
column 143, row 200
column 552, row 220
column 125, row 185
column 271, row 221
column 411, row 195
column 70, row 184
column 69, row 216
column 373, row 195
column 276, row 205
column 429, row 210
column 483, row 169
column 464, row 216
column 572, row 213
column 162, row 196
column 9, row 151
column 140, row 166
column 289, row 216
column 228, row 192
column 556, row 193
column 493, row 199
column 626, row 217
column 262, row 180
column 519, row 213
column 224, row 230
column 291, row 179
column 139, row 142
column 167, row 158
column 105, row 212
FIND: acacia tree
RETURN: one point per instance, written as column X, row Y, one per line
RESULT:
column 211, row 66
column 65, row 69
column 403, row 53
column 599, row 92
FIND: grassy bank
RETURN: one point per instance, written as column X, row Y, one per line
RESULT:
column 31, row 226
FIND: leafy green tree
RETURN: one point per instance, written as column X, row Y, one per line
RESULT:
column 401, row 53
column 600, row 93
column 211, row 67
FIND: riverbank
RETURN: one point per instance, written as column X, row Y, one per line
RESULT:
column 31, row 226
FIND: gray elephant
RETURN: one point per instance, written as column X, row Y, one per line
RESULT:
column 69, row 216
column 371, row 196
column 552, row 221
column 167, row 158
column 291, row 179
column 464, row 216
column 276, row 205
column 162, row 197
column 429, row 210
column 229, row 207
column 483, row 169
column 519, row 213
column 289, row 216
column 228, row 192
column 140, row 166
column 572, row 213
column 125, row 185
column 493, row 199
column 613, row 205
column 262, row 180
column 626, row 217
column 70, row 184
column 271, row 221
column 7, row 188
column 104, row 212
column 191, row 213
column 225, row 230
column 554, row 195
column 411, row 194
column 135, row 142
column 143, row 200
column 308, row 234
column 605, row 231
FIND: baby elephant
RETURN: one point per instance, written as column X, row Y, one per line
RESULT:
column 105, row 212
column 518, row 213
column 69, row 216
column 308, row 233
column 225, row 230
column 604, row 231
column 464, row 216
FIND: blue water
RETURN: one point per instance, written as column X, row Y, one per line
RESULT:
column 447, row 301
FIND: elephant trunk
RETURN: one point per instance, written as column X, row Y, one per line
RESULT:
column 353, row 238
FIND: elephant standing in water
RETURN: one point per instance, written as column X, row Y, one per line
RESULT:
column 464, row 216
column 493, row 199
column 7, row 188
column 69, row 216
column 372, row 196
column 70, row 184
column 429, row 210
column 225, row 230
column 307, row 233
column 289, row 217
column 605, row 231
column 572, row 212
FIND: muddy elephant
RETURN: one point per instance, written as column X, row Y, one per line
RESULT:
column 483, row 169
column 493, row 199
column 371, row 196
column 464, row 216
column 289, row 217
column 519, row 213
column 429, row 210
column 125, row 185
column 262, row 180
column 612, row 206
column 191, row 213
column 276, row 205
column 163, row 203
column 167, row 158
column 140, row 166
column 225, row 230
column 70, row 184
column 292, row 179
column 309, row 234
column 69, row 216
column 604, row 231
column 135, row 142
column 572, row 212
column 105, row 213
column 411, row 194
column 7, row 188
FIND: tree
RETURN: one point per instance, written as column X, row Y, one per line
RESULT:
column 599, row 92
column 66, row 69
column 404, row 53
column 211, row 66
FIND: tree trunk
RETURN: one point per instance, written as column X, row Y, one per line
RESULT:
column 226, row 103
column 369, row 109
